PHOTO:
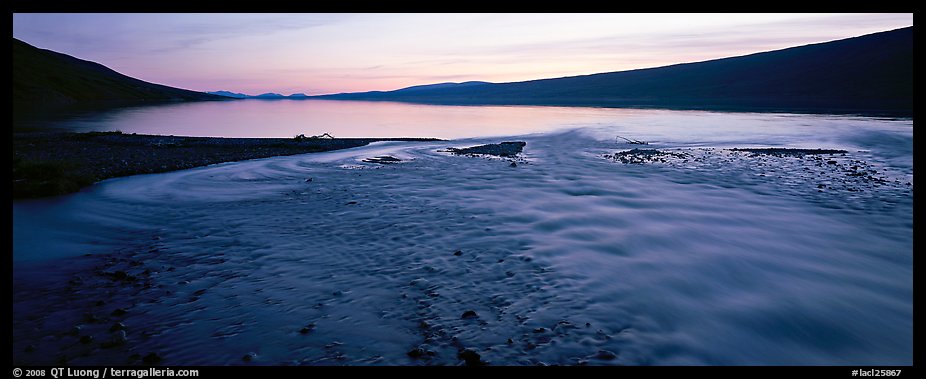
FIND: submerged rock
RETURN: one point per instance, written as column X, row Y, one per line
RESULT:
column 419, row 352
column 471, row 357
column 151, row 358
column 605, row 355
column 117, row 340
column 307, row 329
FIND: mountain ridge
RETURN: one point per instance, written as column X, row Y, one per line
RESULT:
column 873, row 72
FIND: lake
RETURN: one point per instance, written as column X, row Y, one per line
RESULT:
column 706, row 256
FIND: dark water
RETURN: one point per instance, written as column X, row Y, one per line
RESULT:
column 567, row 258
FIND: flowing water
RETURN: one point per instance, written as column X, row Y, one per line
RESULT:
column 570, row 257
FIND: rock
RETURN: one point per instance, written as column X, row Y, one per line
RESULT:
column 385, row 159
column 424, row 325
column 151, row 358
column 117, row 327
column 76, row 330
column 308, row 180
column 513, row 164
column 540, row 330
column 100, row 303
column 605, row 355
column 118, row 312
column 249, row 357
column 86, row 339
column 351, row 202
column 416, row 352
column 504, row 149
column 199, row 292
column 471, row 357
column 458, row 253
column 30, row 348
column 510, row 341
column 469, row 314
column 509, row 274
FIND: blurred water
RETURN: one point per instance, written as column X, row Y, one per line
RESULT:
column 562, row 257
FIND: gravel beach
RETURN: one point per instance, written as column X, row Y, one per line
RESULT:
column 54, row 163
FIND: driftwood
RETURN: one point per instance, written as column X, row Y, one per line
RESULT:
column 303, row 137
column 633, row 141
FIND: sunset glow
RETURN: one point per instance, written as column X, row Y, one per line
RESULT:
column 330, row 53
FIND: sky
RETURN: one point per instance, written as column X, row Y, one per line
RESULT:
column 341, row 52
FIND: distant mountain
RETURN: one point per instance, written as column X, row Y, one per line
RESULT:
column 871, row 73
column 43, row 78
column 264, row 96
column 414, row 90
column 228, row 94
column 268, row 95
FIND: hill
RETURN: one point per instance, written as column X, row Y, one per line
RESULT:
column 44, row 78
column 871, row 73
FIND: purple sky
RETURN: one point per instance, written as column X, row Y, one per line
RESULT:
column 330, row 53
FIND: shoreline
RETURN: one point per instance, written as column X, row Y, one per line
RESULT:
column 57, row 163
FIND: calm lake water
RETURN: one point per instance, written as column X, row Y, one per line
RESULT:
column 718, row 258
